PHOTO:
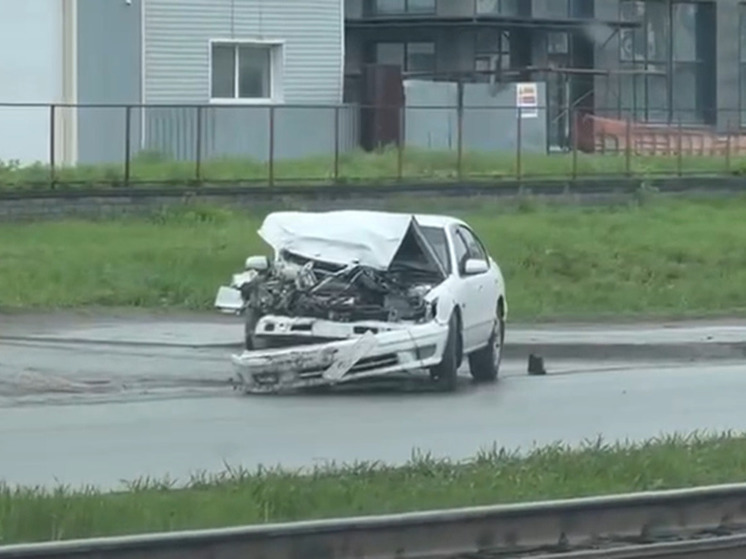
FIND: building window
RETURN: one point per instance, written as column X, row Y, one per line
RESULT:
column 492, row 50
column 557, row 9
column 396, row 7
column 414, row 57
column 245, row 71
column 667, row 60
column 686, row 61
column 558, row 42
column 560, row 9
column 501, row 7
column 644, row 55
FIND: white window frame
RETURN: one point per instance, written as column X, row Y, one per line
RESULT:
column 276, row 72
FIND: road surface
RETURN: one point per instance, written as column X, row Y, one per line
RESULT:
column 94, row 401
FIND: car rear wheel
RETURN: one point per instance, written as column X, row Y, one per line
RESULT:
column 445, row 373
column 484, row 364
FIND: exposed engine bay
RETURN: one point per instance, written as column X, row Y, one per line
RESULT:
column 297, row 287
column 310, row 284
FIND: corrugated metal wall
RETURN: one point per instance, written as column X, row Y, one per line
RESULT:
column 177, row 70
column 245, row 132
column 177, row 34
column 108, row 72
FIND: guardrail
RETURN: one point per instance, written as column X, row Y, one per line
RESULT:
column 682, row 524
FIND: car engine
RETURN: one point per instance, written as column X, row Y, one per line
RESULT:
column 349, row 294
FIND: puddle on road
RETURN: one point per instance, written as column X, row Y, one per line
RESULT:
column 40, row 386
column 31, row 387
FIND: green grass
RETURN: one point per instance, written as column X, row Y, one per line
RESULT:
column 380, row 167
column 660, row 257
column 239, row 497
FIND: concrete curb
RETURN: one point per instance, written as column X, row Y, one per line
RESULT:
column 689, row 351
column 116, row 343
column 704, row 351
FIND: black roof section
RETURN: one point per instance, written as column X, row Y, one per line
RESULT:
column 484, row 20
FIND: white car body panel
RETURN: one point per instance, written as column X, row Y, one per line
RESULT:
column 304, row 366
column 331, row 352
column 370, row 238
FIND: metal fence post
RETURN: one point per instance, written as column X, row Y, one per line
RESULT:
column 402, row 142
column 198, row 147
column 52, row 147
column 628, row 148
column 519, row 145
column 460, row 130
column 680, row 148
column 127, row 139
column 336, row 143
column 728, row 141
column 574, row 131
column 271, row 169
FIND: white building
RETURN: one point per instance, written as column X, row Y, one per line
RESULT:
column 36, row 46
column 244, row 55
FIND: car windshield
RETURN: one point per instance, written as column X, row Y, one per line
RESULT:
column 436, row 236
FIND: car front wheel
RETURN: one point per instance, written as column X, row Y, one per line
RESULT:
column 484, row 364
column 445, row 373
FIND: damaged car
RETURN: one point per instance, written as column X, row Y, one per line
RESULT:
column 350, row 295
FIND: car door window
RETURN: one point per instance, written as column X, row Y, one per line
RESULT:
column 461, row 249
column 474, row 247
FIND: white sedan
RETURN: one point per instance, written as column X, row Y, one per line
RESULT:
column 350, row 295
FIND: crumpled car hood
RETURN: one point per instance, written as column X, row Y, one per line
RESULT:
column 370, row 238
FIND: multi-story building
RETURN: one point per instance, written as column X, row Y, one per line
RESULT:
column 660, row 61
column 657, row 61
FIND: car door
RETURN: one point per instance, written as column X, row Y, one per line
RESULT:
column 483, row 289
column 467, row 292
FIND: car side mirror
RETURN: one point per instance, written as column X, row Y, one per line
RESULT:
column 475, row 266
column 258, row 263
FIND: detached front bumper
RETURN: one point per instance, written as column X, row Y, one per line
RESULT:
column 326, row 364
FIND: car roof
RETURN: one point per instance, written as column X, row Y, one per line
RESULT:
column 425, row 220
column 370, row 238
column 434, row 220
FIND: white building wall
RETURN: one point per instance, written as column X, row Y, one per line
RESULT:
column 307, row 78
column 178, row 32
column 33, row 65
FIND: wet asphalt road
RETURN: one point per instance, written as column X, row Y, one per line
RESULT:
column 95, row 401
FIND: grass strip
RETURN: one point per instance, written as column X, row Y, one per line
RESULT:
column 358, row 166
column 662, row 257
column 239, row 497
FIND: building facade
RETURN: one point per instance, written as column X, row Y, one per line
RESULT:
column 209, row 70
column 657, row 61
column 36, row 67
column 234, row 57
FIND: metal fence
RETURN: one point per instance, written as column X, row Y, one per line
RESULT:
column 53, row 145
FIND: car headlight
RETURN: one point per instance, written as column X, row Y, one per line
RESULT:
column 258, row 263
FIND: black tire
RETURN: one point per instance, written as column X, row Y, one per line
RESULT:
column 251, row 317
column 484, row 364
column 445, row 373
